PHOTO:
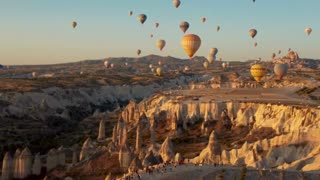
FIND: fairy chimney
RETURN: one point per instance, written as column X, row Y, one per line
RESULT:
column 25, row 163
column 7, row 171
column 36, row 168
column 102, row 133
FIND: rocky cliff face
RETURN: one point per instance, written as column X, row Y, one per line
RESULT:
column 292, row 143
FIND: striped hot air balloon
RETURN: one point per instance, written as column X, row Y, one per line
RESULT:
column 191, row 43
column 257, row 71
column 184, row 26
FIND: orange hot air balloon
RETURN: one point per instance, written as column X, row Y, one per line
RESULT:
column 74, row 24
column 203, row 19
column 257, row 72
column 160, row 44
column 176, row 3
column 253, row 32
column 157, row 25
column 191, row 43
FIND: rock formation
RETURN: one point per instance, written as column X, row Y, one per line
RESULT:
column 52, row 160
column 167, row 150
column 135, row 165
column 61, row 156
column 16, row 164
column 212, row 153
column 138, row 140
column 125, row 156
column 178, row 158
column 36, row 168
column 7, row 171
column 150, row 159
column 86, row 150
column 102, row 134
column 114, row 135
column 25, row 163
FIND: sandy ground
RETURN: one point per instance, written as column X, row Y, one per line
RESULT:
column 285, row 96
column 209, row 172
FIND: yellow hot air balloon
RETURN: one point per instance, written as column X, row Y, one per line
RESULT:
column 142, row 18
column 161, row 43
column 184, row 26
column 203, row 19
column 191, row 43
column 74, row 24
column 176, row 3
column 257, row 71
column 159, row 71
column 213, row 51
column 138, row 52
column 253, row 32
column 308, row 31
column 130, row 13
column 206, row 64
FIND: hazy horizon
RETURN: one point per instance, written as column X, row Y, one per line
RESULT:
column 38, row 32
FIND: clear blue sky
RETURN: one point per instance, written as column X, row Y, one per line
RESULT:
column 39, row 31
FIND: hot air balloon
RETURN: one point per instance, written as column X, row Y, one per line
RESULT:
column 280, row 70
column 224, row 65
column 273, row 55
column 206, row 64
column 211, row 58
column 150, row 66
column 289, row 49
column 191, row 43
column 126, row 64
column 160, row 63
column 203, row 19
column 74, row 24
column 106, row 63
column 158, row 71
column 186, row 68
column 130, row 13
column 151, row 35
column 184, row 26
column 34, row 74
column 279, row 52
column 308, row 31
column 160, row 44
column 176, row 3
column 138, row 52
column 152, row 69
column 257, row 71
column 112, row 65
column 255, row 44
column 253, row 32
column 213, row 51
column 142, row 18
column 218, row 28
column 156, row 24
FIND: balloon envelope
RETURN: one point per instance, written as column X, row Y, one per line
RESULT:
column 211, row 58
column 176, row 3
column 218, row 28
column 184, row 26
column 253, row 32
column 280, row 70
column 203, row 19
column 157, row 25
column 142, row 18
column 308, row 31
column 159, row 71
column 74, row 24
column 206, row 64
column 191, row 43
column 257, row 71
column 213, row 51
column 161, row 43
column 130, row 13
column 138, row 52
